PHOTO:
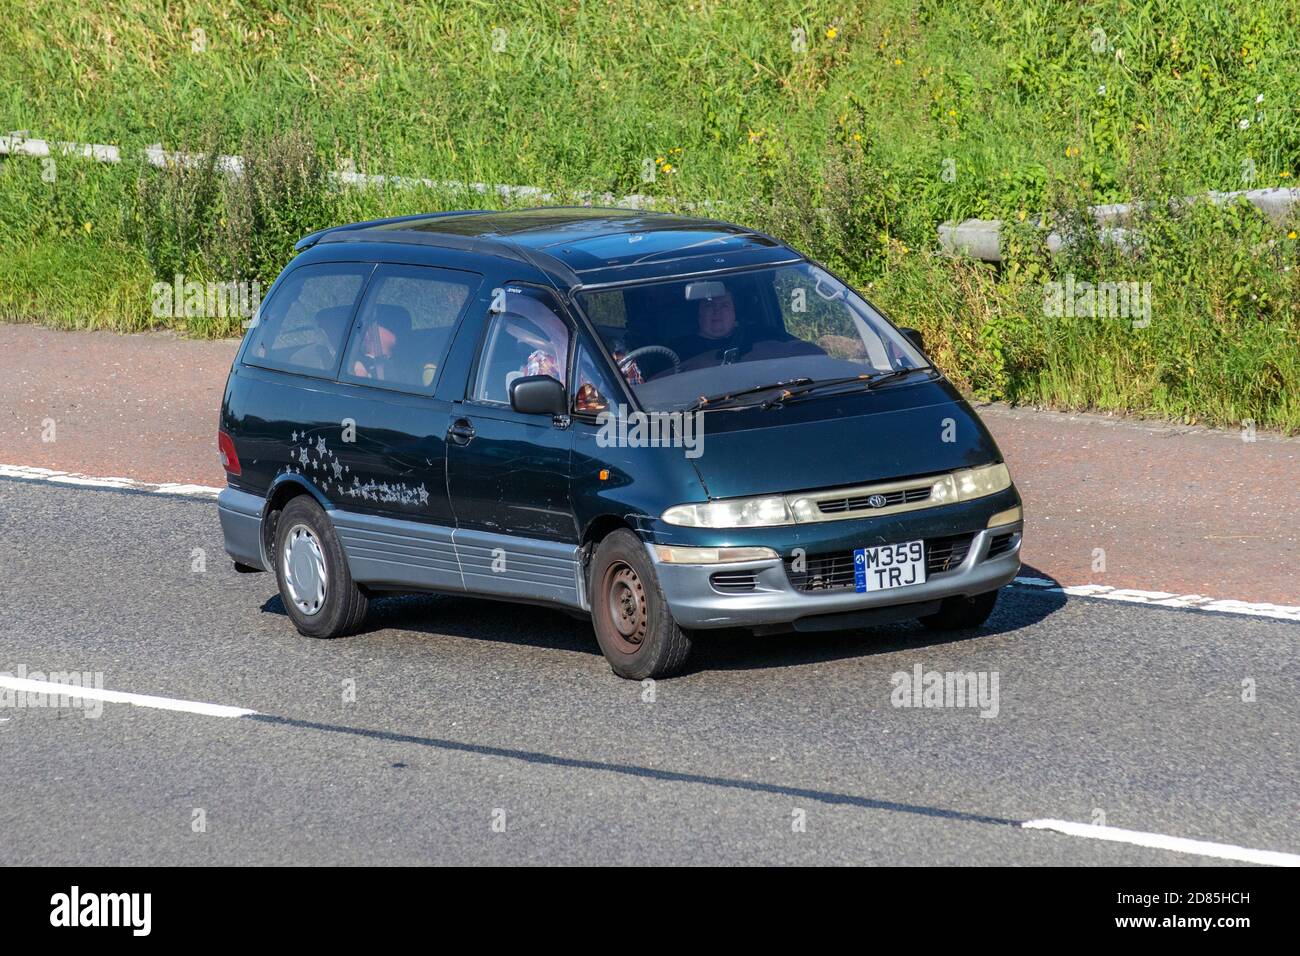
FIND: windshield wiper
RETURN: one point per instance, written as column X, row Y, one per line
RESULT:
column 707, row 401
column 866, row 381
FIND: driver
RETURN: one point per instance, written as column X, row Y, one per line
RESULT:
column 716, row 329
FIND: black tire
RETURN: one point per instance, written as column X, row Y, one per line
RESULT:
column 633, row 624
column 961, row 613
column 305, row 529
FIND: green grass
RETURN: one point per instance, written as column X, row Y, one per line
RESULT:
column 841, row 147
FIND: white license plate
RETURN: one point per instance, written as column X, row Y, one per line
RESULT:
column 889, row 566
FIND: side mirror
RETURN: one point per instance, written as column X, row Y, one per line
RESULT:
column 916, row 338
column 537, row 395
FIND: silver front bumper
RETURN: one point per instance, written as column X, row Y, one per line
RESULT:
column 696, row 604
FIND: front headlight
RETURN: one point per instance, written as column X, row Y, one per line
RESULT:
column 734, row 513
column 772, row 510
column 971, row 483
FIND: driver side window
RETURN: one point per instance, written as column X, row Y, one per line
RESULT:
column 527, row 337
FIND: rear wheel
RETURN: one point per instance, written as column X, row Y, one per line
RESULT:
column 634, row 626
column 311, row 569
column 960, row 613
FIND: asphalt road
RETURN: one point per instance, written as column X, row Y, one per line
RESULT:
column 465, row 709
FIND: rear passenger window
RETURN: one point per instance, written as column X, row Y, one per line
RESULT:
column 405, row 325
column 303, row 327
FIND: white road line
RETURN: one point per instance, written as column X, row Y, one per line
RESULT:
column 1199, row 602
column 119, row 697
column 1222, row 851
column 89, row 481
column 1158, row 841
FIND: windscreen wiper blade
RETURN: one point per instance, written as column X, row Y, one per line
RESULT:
column 708, row 401
column 866, row 381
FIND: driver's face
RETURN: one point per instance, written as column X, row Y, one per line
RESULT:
column 717, row 317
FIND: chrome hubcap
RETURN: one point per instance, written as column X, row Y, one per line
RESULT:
column 304, row 570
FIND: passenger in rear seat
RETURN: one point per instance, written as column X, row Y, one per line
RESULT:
column 385, row 328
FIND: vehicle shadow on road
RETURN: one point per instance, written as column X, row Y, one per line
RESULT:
column 473, row 618
column 486, row 620
column 1018, row 608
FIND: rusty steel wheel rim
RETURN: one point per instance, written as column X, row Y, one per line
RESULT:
column 625, row 604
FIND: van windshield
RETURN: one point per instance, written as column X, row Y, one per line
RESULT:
column 678, row 340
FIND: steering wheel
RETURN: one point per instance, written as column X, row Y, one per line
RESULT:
column 626, row 361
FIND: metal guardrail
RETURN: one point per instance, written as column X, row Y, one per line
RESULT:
column 982, row 238
column 18, row 143
column 978, row 238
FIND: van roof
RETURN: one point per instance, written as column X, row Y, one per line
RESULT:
column 579, row 246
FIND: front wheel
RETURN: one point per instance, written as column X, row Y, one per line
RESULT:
column 634, row 626
column 316, row 586
column 960, row 613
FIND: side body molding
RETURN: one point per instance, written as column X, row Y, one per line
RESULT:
column 410, row 554
column 393, row 552
column 396, row 552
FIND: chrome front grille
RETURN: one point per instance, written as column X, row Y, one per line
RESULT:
column 866, row 501
column 873, row 502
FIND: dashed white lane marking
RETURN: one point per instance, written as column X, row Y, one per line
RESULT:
column 1199, row 602
column 52, row 689
column 1158, row 841
column 90, row 481
column 1222, row 851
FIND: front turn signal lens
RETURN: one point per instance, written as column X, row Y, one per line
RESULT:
column 1010, row 516
column 671, row 554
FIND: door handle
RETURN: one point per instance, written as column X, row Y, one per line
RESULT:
column 460, row 432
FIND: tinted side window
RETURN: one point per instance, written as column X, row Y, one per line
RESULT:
column 405, row 325
column 303, row 327
column 593, row 389
column 528, row 338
